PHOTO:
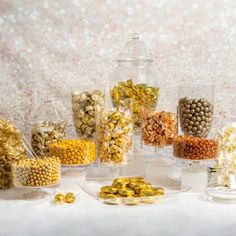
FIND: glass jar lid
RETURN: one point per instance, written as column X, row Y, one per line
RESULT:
column 134, row 51
column 47, row 112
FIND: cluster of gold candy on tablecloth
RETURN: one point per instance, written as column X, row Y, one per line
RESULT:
column 158, row 128
column 11, row 149
column 74, row 152
column 36, row 172
column 130, row 187
column 226, row 166
column 114, row 136
column 141, row 94
column 44, row 133
column 84, row 107
column 61, row 198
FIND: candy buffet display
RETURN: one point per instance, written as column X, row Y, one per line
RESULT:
column 158, row 128
column 85, row 104
column 133, row 78
column 114, row 136
column 36, row 172
column 74, row 152
column 11, row 150
column 195, row 148
column 48, row 126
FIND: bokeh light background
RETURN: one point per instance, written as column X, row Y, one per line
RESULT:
column 48, row 47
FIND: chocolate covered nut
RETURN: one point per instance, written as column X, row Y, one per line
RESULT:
column 196, row 116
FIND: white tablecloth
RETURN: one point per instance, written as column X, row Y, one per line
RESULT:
column 185, row 214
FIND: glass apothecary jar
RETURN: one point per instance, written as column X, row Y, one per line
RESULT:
column 114, row 133
column 135, row 79
column 48, row 125
column 86, row 101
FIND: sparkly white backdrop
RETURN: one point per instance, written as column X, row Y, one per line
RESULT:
column 47, row 47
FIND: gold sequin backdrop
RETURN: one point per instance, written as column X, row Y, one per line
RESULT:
column 47, row 47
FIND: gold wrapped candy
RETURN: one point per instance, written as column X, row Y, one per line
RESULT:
column 74, row 152
column 114, row 136
column 11, row 150
column 141, row 94
column 44, row 133
column 84, row 107
column 131, row 188
column 37, row 172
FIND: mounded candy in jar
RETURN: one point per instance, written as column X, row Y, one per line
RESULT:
column 44, row 133
column 158, row 128
column 37, row 172
column 195, row 148
column 84, row 107
column 141, row 95
column 114, row 137
column 74, row 152
column 11, row 150
column 196, row 116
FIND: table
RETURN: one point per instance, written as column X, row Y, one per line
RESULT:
column 185, row 214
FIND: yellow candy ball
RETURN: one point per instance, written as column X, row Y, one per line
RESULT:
column 59, row 198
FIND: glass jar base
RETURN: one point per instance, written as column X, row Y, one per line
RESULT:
column 221, row 195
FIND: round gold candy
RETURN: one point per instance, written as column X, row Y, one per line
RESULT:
column 59, row 198
column 70, row 198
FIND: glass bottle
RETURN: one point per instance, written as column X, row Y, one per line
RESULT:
column 48, row 126
column 134, row 78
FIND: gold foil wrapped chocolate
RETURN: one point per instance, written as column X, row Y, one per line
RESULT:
column 134, row 189
column 44, row 133
column 84, row 107
column 141, row 95
column 114, row 136
column 11, row 150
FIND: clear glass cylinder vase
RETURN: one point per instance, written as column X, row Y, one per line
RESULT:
column 114, row 133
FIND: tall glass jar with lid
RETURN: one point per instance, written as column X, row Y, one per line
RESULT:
column 134, row 79
column 48, row 125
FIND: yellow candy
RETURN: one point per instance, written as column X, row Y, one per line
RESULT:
column 59, row 198
column 70, row 198
column 74, row 152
